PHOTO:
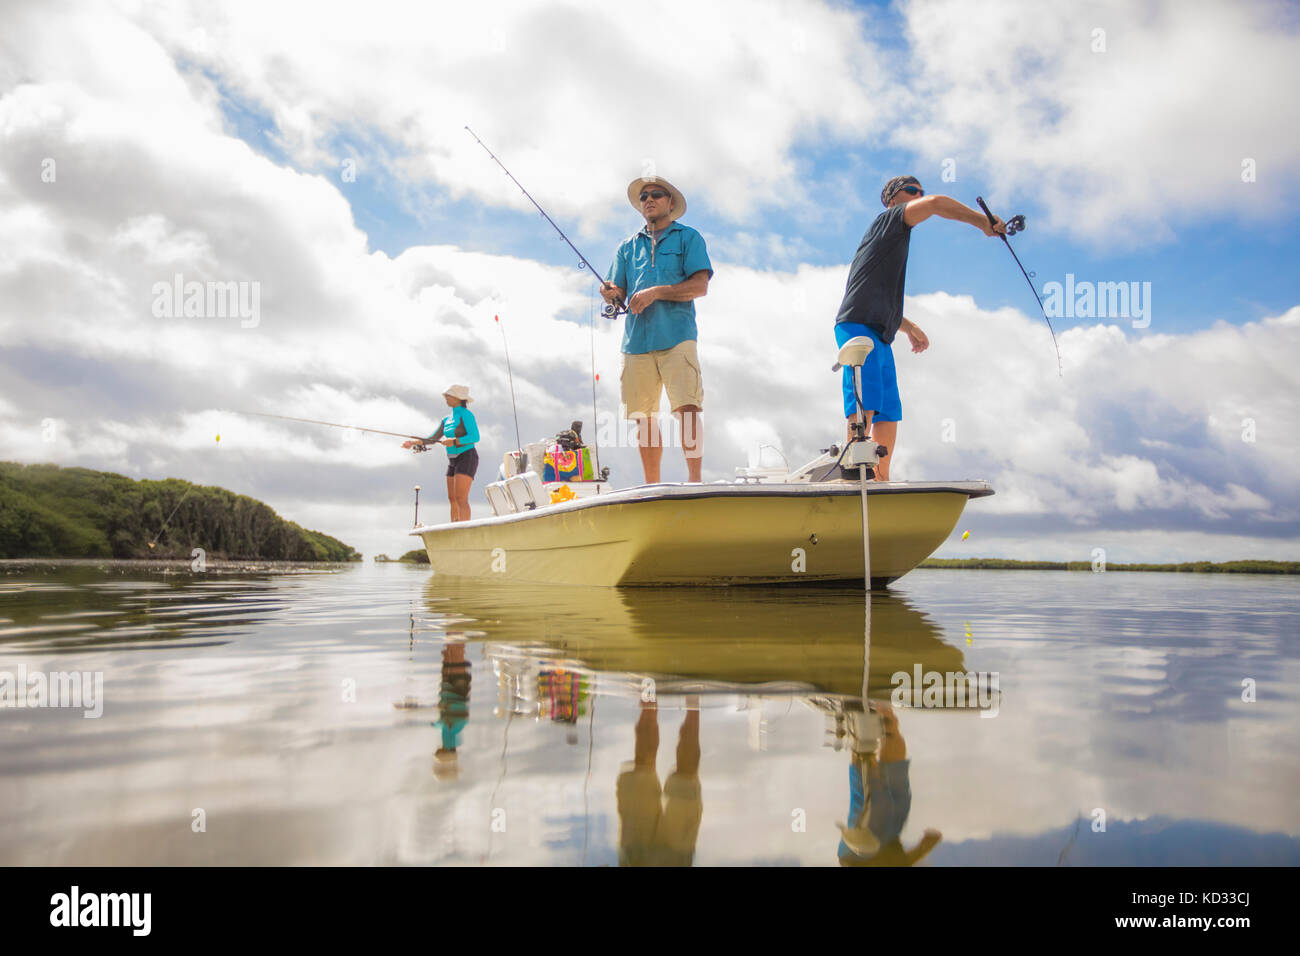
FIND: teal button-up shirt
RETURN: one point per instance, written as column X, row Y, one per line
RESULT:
column 640, row 264
column 461, row 425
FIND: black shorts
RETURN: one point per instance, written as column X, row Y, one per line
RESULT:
column 466, row 463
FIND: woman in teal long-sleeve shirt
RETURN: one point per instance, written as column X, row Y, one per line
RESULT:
column 459, row 433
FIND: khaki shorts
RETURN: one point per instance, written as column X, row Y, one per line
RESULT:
column 645, row 376
column 657, row 827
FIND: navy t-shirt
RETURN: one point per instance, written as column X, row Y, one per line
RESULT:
column 874, row 293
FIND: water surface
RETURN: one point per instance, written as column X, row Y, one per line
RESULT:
column 374, row 714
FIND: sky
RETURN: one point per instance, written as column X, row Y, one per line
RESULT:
column 313, row 159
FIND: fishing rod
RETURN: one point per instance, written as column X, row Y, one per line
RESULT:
column 610, row 310
column 311, row 421
column 1014, row 225
column 513, row 407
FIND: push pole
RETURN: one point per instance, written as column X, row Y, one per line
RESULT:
column 860, row 432
column 866, row 560
column 417, row 507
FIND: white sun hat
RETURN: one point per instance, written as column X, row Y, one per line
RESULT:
column 459, row 391
column 634, row 192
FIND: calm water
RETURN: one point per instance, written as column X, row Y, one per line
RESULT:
column 376, row 715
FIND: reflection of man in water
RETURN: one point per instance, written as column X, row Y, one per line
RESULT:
column 658, row 828
column 880, row 795
column 453, row 709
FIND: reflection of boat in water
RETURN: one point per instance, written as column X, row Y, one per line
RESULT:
column 714, row 534
column 555, row 651
column 804, row 642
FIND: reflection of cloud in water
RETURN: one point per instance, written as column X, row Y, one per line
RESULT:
column 1157, row 841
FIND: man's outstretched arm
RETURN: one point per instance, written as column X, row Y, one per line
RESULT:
column 919, row 210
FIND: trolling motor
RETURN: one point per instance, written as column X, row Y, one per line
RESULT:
column 863, row 453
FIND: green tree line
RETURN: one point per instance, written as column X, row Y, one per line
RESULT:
column 48, row 511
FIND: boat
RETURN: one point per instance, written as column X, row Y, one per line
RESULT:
column 751, row 531
column 809, row 525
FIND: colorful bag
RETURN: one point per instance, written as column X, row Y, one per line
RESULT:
column 560, row 464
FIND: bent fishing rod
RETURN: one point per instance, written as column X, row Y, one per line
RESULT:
column 421, row 439
column 1014, row 225
column 609, row 310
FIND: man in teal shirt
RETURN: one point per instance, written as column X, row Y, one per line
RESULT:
column 664, row 268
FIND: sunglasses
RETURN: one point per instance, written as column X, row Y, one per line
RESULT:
column 653, row 194
column 912, row 190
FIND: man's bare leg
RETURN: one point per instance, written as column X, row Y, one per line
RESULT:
column 885, row 433
column 647, row 735
column 688, row 739
column 651, row 447
column 692, row 441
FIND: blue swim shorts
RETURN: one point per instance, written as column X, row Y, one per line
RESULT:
column 879, row 380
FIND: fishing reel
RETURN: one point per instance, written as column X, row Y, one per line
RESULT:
column 416, row 449
column 1015, row 224
column 612, row 310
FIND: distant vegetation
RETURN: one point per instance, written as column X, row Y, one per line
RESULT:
column 418, row 556
column 52, row 512
column 1223, row 567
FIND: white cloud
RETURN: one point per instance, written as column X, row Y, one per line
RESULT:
column 1121, row 146
column 574, row 100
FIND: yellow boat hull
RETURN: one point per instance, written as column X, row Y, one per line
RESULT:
column 707, row 535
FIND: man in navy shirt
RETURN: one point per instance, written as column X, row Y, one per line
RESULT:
column 664, row 267
column 873, row 302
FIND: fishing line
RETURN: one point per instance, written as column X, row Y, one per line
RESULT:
column 595, row 416
column 154, row 542
column 312, row 421
column 1060, row 860
column 505, row 745
column 610, row 310
column 1017, row 224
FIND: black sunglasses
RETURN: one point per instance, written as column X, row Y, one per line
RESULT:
column 653, row 194
column 912, row 190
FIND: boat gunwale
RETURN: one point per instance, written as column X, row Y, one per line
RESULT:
column 685, row 491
